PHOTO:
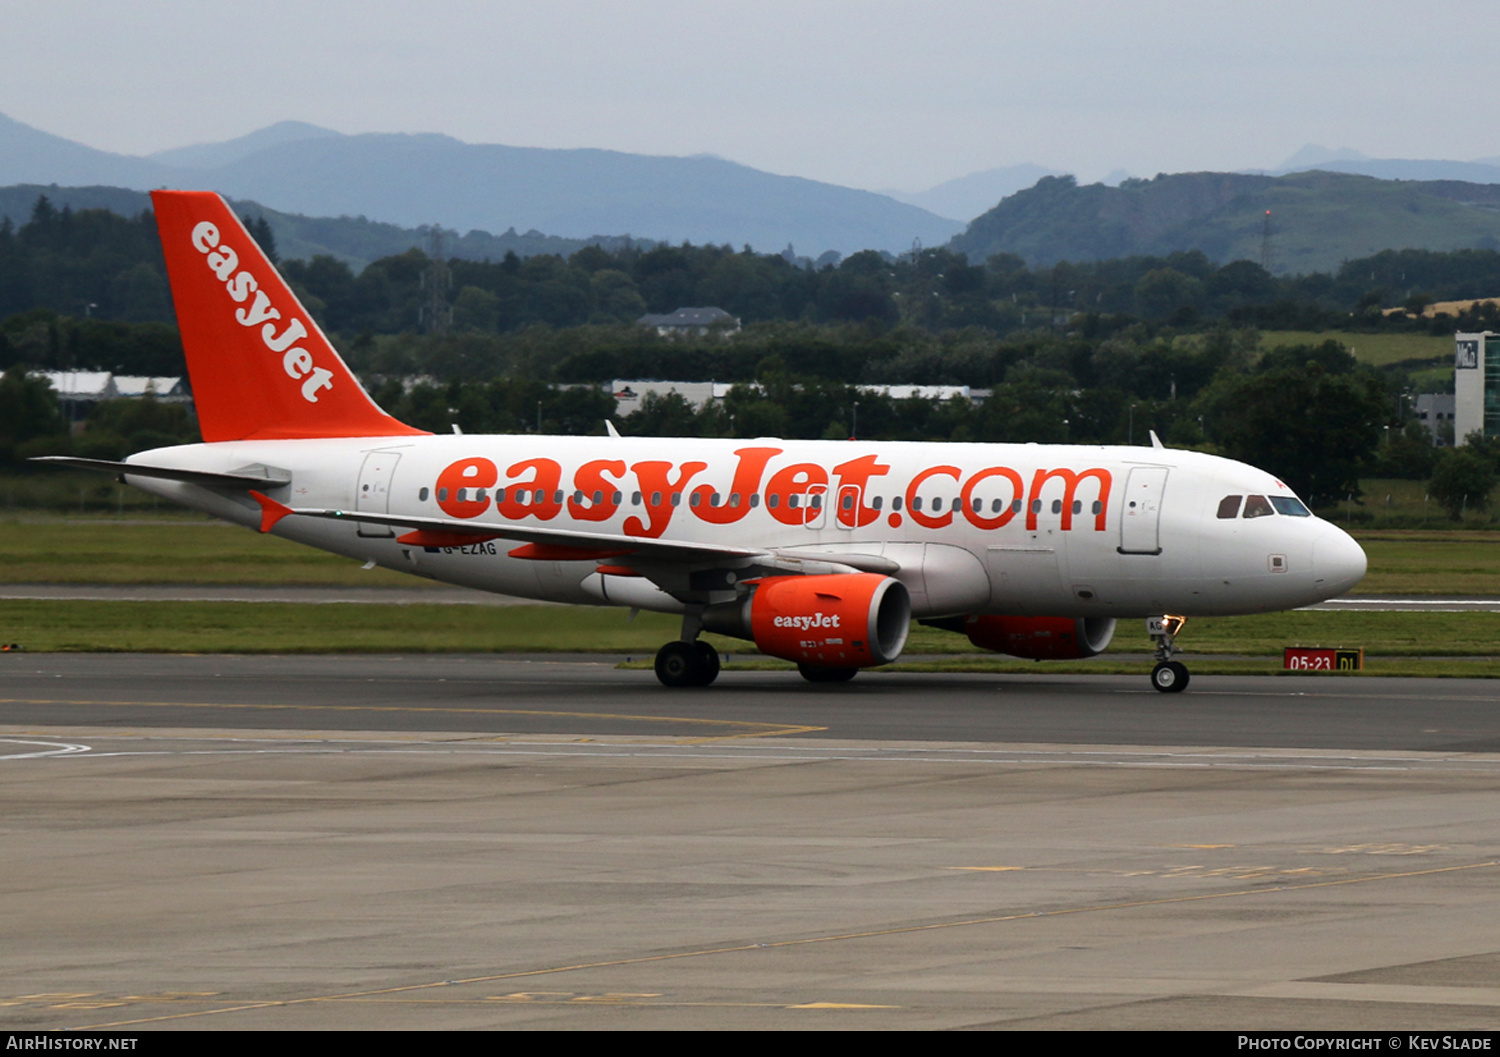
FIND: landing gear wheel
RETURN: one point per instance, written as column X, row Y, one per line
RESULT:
column 817, row 674
column 678, row 664
column 1170, row 677
column 708, row 663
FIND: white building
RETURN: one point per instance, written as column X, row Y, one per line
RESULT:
column 1476, row 386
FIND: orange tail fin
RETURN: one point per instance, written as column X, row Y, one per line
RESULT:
column 260, row 367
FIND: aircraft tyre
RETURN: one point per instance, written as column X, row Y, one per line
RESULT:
column 1170, row 677
column 708, row 663
column 817, row 674
column 680, row 664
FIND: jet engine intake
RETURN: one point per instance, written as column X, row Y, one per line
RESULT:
column 1041, row 638
column 842, row 620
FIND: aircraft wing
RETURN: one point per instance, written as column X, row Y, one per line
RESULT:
column 548, row 544
column 444, row 532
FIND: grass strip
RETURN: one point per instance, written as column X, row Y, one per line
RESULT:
column 281, row 627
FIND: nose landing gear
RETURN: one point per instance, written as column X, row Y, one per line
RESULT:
column 1169, row 676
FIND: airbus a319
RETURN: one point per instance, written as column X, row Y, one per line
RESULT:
column 820, row 552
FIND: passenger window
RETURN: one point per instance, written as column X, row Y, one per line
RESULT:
column 773, row 500
column 1015, row 506
column 877, row 502
column 635, row 499
column 499, row 495
column 696, row 499
column 614, row 500
column 1229, row 507
column 1057, row 506
column 817, row 502
column 895, row 502
column 442, row 495
column 1077, row 506
column 916, row 502
column 1036, row 506
column 1098, row 507
column 422, row 496
column 676, row 498
column 848, row 501
column 792, row 501
column 754, row 500
column 1257, row 506
column 598, row 498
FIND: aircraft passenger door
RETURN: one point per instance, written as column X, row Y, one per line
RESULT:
column 373, row 492
column 848, row 505
column 1140, row 510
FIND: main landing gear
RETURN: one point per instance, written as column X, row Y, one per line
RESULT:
column 687, row 664
column 1169, row 676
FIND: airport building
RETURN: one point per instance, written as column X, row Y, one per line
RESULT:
column 1476, row 386
column 1435, row 412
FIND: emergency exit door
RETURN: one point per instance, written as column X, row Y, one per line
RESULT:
column 1140, row 510
column 372, row 494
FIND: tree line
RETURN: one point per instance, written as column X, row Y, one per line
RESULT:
column 1099, row 352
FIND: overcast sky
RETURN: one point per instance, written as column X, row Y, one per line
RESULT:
column 868, row 94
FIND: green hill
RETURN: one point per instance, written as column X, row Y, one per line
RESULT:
column 354, row 240
column 1319, row 219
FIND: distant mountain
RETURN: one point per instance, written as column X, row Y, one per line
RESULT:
column 354, row 240
column 30, row 156
column 1346, row 160
column 1319, row 219
column 213, row 155
column 431, row 179
column 968, row 196
column 1313, row 155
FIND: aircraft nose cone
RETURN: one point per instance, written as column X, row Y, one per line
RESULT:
column 1338, row 562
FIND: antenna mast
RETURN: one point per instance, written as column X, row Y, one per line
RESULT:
column 436, row 314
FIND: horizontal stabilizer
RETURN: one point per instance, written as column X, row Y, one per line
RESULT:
column 249, row 477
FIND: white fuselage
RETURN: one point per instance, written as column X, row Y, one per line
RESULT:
column 1038, row 530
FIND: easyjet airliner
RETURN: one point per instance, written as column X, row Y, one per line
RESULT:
column 820, row 552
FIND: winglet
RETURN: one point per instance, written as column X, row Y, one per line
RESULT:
column 610, row 425
column 270, row 510
column 1155, row 440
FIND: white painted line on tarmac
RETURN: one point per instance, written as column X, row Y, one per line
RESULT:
column 53, row 748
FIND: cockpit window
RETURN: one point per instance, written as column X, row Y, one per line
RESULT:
column 1290, row 505
column 1256, row 506
column 1229, row 506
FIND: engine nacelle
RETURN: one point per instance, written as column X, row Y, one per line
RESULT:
column 843, row 620
column 1041, row 638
